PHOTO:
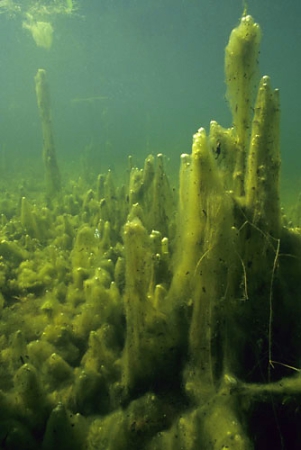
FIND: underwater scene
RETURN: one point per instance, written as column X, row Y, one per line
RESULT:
column 150, row 225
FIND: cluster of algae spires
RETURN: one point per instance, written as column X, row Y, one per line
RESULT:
column 135, row 319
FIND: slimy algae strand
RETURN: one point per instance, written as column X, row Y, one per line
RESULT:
column 41, row 31
column 134, row 319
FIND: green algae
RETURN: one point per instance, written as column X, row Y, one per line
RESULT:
column 134, row 319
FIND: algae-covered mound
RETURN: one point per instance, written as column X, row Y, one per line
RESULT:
column 133, row 317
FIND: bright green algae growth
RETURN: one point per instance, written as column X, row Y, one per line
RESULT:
column 128, row 322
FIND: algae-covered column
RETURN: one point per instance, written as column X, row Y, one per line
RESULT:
column 53, row 178
column 241, row 62
column 263, row 164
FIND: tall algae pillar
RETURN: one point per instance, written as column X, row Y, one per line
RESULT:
column 256, row 173
column 241, row 62
column 53, row 177
column 263, row 163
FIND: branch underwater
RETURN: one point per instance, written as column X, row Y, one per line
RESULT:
column 135, row 318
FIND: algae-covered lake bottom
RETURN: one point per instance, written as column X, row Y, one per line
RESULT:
column 98, row 266
column 151, row 306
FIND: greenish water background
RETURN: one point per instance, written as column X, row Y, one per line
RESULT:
column 138, row 77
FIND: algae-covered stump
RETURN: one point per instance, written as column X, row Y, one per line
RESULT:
column 132, row 318
column 53, row 178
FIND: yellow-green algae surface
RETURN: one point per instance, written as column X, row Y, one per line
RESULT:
column 137, row 317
